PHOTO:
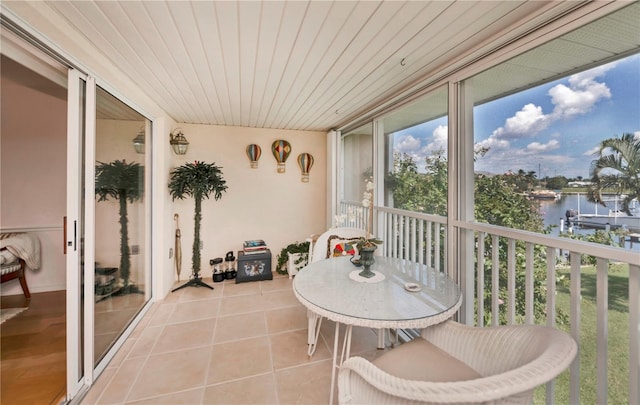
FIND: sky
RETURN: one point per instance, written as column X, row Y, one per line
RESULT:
column 553, row 129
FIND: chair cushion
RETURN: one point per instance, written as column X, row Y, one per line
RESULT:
column 423, row 361
column 341, row 246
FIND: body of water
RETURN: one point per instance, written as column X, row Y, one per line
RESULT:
column 554, row 211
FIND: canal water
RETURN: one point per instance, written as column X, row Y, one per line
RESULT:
column 554, row 211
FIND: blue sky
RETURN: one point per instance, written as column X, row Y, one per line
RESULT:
column 553, row 129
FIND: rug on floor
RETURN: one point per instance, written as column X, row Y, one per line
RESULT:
column 8, row 313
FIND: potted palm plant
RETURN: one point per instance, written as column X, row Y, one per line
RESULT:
column 198, row 180
column 123, row 182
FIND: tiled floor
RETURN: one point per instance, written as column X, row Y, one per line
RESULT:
column 238, row 344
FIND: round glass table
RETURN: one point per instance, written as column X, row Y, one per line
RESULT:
column 403, row 294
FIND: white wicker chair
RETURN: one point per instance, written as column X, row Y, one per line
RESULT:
column 511, row 362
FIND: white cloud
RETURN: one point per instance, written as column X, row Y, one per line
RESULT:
column 493, row 144
column 440, row 137
column 407, row 144
column 579, row 97
column 526, row 122
column 636, row 135
column 537, row 147
column 592, row 151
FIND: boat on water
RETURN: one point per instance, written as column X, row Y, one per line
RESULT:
column 544, row 195
column 614, row 219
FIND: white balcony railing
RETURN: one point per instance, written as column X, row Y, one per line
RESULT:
column 423, row 238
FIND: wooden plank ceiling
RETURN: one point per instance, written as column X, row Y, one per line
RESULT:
column 290, row 65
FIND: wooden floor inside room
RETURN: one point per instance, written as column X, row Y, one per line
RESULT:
column 33, row 350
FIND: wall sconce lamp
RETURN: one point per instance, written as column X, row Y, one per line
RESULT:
column 138, row 141
column 178, row 142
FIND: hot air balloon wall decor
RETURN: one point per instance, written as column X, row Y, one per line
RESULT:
column 305, row 161
column 281, row 150
column 253, row 153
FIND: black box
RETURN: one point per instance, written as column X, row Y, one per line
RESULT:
column 254, row 266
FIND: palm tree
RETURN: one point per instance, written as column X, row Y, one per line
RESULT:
column 197, row 180
column 617, row 169
column 124, row 182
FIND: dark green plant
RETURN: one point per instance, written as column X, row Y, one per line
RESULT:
column 293, row 248
column 123, row 182
column 197, row 180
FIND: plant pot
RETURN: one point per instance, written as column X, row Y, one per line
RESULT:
column 294, row 263
column 367, row 260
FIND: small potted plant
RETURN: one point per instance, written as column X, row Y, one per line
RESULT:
column 292, row 258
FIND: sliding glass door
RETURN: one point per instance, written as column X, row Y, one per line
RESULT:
column 121, row 268
column 108, row 226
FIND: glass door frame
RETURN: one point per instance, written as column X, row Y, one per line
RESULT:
column 80, row 104
column 80, row 233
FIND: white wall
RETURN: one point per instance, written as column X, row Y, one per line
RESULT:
column 259, row 203
column 33, row 178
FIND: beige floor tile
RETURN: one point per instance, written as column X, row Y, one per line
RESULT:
column 144, row 344
column 306, row 384
column 241, row 304
column 290, row 349
column 167, row 373
column 123, row 352
column 241, row 326
column 144, row 322
column 286, row 319
column 195, row 310
column 278, row 283
column 162, row 314
column 174, row 296
column 232, row 289
column 253, row 390
column 185, row 336
column 238, row 344
column 239, row 359
column 279, row 299
column 118, row 387
column 185, row 398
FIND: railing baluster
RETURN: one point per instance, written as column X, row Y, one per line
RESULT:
column 551, row 286
column 421, row 245
column 602, row 306
column 413, row 239
column 511, row 280
column 429, row 243
column 574, row 384
column 436, row 248
column 551, row 309
column 395, row 236
column 402, row 248
column 480, row 288
column 407, row 239
column 495, row 280
column 529, row 312
column 634, row 331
